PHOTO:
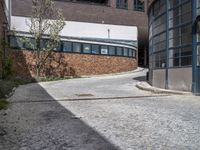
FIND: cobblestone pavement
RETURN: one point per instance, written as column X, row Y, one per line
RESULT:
column 98, row 113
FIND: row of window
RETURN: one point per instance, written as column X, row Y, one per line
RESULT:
column 158, row 60
column 76, row 47
column 138, row 4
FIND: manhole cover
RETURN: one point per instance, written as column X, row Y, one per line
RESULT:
column 84, row 95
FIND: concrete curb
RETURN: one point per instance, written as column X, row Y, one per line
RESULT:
column 146, row 87
column 113, row 74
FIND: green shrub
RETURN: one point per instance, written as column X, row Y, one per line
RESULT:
column 7, row 69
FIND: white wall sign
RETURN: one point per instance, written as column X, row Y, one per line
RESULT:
column 104, row 51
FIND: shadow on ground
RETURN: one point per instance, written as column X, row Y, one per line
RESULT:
column 45, row 125
column 140, row 78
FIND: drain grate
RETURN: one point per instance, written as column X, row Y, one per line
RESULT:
column 84, row 95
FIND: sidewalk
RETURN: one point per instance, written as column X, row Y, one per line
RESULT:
column 147, row 87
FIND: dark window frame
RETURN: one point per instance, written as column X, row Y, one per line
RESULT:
column 122, row 4
column 139, row 6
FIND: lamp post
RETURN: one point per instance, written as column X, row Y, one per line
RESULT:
column 108, row 33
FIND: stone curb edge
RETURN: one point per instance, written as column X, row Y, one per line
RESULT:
column 113, row 74
column 146, row 87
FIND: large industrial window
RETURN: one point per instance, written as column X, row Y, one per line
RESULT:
column 139, row 5
column 180, row 57
column 180, row 34
column 122, row 4
column 179, row 49
column 159, row 60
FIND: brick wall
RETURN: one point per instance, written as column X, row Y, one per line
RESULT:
column 65, row 64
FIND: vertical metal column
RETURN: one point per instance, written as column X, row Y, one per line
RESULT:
column 167, row 48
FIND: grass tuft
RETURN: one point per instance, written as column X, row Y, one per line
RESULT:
column 3, row 104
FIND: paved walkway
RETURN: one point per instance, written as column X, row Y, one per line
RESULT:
column 98, row 113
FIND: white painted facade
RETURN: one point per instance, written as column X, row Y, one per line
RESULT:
column 85, row 30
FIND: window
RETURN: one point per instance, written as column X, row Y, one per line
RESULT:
column 198, row 31
column 180, row 57
column 119, row 51
column 130, row 52
column 67, row 46
column 104, row 49
column 86, row 48
column 134, row 53
column 139, row 5
column 101, row 2
column 159, row 60
column 173, row 3
column 17, row 42
column 122, row 4
column 95, row 49
column 125, row 52
column 76, row 47
column 111, row 50
column 198, row 56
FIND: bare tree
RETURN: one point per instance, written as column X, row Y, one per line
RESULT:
column 46, row 22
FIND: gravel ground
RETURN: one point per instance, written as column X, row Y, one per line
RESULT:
column 98, row 113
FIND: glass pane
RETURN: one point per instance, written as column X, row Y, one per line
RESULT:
column 174, row 62
column 77, row 47
column 174, row 53
column 86, row 48
column 186, row 61
column 187, row 51
column 111, row 50
column 67, row 46
column 198, row 56
column 130, row 52
column 134, row 53
column 198, row 60
column 125, row 51
column 198, row 3
column 95, row 49
column 104, row 49
column 119, row 51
